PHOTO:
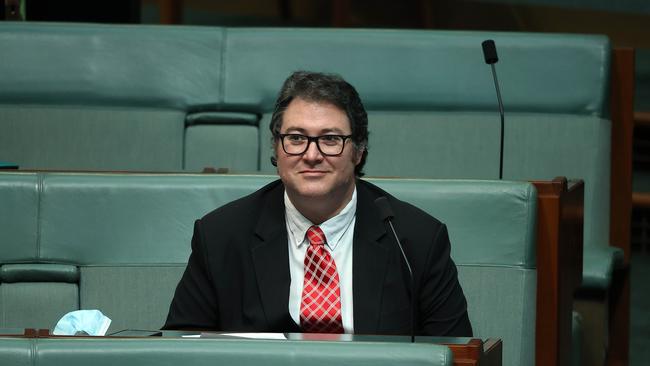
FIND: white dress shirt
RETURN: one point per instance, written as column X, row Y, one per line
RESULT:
column 339, row 232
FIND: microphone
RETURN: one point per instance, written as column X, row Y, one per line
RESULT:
column 386, row 215
column 491, row 58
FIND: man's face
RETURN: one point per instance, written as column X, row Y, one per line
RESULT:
column 312, row 174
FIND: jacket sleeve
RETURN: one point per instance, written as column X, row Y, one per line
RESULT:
column 194, row 305
column 443, row 308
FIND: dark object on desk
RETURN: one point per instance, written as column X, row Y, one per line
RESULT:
column 135, row 333
column 8, row 165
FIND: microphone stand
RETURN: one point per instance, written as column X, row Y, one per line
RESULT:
column 491, row 58
column 496, row 85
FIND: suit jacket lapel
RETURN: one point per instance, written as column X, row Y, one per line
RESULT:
column 270, row 256
column 369, row 262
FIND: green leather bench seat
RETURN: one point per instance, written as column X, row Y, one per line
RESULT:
column 547, row 146
column 16, row 351
column 100, row 102
column 140, row 228
column 492, row 227
column 168, row 351
column 442, row 110
column 126, row 238
column 152, row 98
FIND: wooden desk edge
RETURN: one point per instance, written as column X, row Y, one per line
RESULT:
column 492, row 352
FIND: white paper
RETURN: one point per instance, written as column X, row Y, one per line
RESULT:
column 257, row 335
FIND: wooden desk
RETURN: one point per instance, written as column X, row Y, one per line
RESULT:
column 466, row 352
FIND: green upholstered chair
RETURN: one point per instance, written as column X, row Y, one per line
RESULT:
column 433, row 114
column 152, row 98
column 122, row 241
column 492, row 230
column 98, row 97
column 129, row 235
column 424, row 106
column 181, row 98
column 32, row 294
column 169, row 351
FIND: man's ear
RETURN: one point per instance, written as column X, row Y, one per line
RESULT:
column 274, row 153
column 358, row 154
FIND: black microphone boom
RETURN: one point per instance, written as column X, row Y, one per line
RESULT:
column 386, row 215
column 491, row 58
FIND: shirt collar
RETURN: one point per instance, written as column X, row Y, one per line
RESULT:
column 334, row 228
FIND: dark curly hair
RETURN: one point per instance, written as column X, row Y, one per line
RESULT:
column 330, row 88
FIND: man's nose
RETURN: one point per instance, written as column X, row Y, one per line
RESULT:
column 312, row 153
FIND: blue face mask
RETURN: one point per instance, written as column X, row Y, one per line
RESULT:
column 91, row 322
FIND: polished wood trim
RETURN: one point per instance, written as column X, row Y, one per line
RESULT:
column 467, row 354
column 559, row 266
column 622, row 115
column 340, row 13
column 171, row 11
column 36, row 333
column 641, row 199
column 642, row 118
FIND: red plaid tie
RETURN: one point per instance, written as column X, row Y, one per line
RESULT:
column 320, row 308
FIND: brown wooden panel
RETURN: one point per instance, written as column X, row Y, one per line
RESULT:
column 642, row 118
column 171, row 11
column 641, row 199
column 622, row 115
column 467, row 354
column 559, row 267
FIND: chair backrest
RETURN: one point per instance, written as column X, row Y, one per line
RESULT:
column 109, row 241
column 492, row 227
column 171, row 351
column 119, row 243
column 97, row 97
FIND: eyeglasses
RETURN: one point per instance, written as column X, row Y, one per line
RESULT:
column 328, row 145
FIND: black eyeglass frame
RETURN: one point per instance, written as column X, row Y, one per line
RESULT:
column 311, row 139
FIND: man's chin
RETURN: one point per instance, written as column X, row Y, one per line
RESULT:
column 313, row 192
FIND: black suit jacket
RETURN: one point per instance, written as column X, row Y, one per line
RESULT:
column 237, row 277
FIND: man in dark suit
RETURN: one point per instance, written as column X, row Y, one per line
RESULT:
column 311, row 252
